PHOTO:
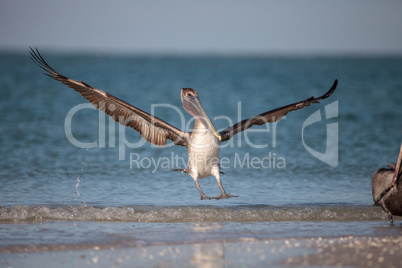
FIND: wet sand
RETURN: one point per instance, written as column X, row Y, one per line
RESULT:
column 350, row 251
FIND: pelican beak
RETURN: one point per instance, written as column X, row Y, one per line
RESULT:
column 194, row 107
column 398, row 169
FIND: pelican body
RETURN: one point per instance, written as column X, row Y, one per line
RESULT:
column 387, row 188
column 203, row 158
column 203, row 143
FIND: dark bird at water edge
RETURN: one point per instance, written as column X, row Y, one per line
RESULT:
column 386, row 187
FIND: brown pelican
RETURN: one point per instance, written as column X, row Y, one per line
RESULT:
column 387, row 188
column 203, row 144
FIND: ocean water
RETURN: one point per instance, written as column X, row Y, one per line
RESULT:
column 69, row 176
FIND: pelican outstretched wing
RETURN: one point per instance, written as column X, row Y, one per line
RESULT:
column 272, row 116
column 151, row 128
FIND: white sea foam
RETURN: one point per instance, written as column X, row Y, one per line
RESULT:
column 261, row 213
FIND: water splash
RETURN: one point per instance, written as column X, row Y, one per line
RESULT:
column 84, row 165
column 76, row 186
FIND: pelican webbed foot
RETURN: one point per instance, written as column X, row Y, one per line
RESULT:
column 203, row 196
column 225, row 196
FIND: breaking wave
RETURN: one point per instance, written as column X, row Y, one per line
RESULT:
column 255, row 213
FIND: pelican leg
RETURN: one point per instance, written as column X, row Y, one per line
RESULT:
column 391, row 219
column 224, row 194
column 203, row 196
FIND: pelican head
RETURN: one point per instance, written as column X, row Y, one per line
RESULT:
column 192, row 104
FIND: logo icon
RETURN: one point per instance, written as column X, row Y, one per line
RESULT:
column 330, row 156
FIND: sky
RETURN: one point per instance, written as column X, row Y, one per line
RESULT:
column 309, row 27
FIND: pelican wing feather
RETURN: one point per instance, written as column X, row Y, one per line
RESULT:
column 151, row 128
column 272, row 116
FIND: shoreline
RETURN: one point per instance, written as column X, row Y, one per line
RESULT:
column 352, row 251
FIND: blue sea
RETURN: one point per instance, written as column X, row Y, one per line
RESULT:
column 72, row 178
